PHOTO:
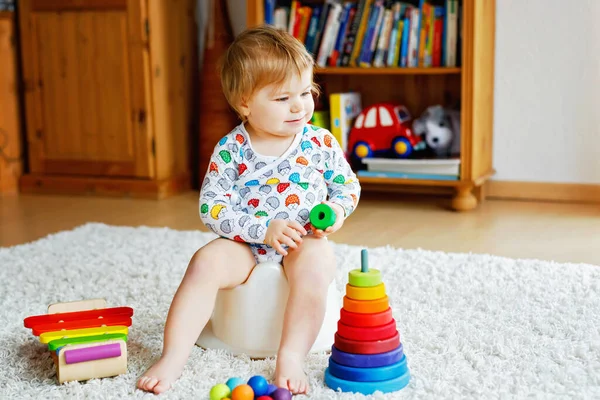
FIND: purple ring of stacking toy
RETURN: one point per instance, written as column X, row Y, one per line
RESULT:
column 376, row 374
column 388, row 386
column 367, row 360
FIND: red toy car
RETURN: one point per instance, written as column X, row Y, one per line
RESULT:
column 383, row 127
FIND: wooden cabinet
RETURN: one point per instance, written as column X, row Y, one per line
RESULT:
column 108, row 95
column 470, row 85
column 11, row 159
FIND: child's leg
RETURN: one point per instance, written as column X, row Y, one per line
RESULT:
column 309, row 269
column 222, row 263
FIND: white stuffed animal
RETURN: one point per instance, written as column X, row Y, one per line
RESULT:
column 439, row 129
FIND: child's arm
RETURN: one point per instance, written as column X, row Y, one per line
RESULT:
column 217, row 211
column 342, row 185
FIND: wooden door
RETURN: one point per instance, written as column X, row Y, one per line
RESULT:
column 86, row 72
column 11, row 160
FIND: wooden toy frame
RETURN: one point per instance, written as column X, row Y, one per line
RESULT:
column 89, row 346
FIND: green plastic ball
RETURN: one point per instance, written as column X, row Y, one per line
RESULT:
column 219, row 392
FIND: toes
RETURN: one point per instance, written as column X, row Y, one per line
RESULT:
column 141, row 382
column 161, row 387
column 281, row 382
column 151, row 383
column 293, row 385
column 304, row 387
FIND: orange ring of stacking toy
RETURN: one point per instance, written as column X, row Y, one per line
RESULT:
column 366, row 306
column 367, row 347
column 367, row 333
column 365, row 293
column 363, row 320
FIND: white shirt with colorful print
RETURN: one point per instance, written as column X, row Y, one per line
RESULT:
column 243, row 190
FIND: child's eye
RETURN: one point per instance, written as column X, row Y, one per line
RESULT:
column 281, row 99
column 306, row 93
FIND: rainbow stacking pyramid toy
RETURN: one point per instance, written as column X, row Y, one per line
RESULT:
column 367, row 355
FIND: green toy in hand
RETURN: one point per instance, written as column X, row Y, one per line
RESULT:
column 322, row 216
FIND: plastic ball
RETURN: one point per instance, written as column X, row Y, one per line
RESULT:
column 242, row 392
column 264, row 398
column 234, row 382
column 281, row 394
column 219, row 391
column 259, row 385
column 271, row 389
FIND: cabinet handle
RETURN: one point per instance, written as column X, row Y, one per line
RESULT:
column 141, row 116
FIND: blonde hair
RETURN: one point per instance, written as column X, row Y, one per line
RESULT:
column 259, row 57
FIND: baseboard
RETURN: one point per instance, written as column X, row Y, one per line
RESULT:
column 73, row 185
column 543, row 191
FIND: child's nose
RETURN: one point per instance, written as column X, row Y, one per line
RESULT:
column 296, row 106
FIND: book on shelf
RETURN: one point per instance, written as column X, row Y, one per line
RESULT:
column 430, row 166
column 373, row 33
column 405, row 175
column 343, row 109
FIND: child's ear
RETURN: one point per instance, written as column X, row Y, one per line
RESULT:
column 245, row 110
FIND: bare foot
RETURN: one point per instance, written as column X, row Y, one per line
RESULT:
column 290, row 374
column 160, row 376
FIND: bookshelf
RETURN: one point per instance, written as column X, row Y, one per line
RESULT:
column 470, row 85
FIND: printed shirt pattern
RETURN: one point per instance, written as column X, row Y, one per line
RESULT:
column 242, row 190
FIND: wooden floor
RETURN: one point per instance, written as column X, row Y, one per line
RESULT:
column 548, row 231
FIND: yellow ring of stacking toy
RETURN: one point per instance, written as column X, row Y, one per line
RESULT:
column 366, row 306
column 365, row 293
column 364, row 279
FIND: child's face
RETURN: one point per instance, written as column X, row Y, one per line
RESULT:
column 281, row 110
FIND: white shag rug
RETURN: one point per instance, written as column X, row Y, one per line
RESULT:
column 473, row 326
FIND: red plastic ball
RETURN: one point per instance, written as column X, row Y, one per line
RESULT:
column 264, row 398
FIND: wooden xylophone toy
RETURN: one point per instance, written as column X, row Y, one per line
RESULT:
column 367, row 354
column 86, row 339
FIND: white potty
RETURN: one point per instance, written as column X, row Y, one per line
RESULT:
column 248, row 319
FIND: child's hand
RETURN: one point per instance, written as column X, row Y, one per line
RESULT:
column 282, row 232
column 339, row 221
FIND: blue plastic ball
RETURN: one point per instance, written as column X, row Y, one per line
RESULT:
column 234, row 382
column 271, row 389
column 259, row 385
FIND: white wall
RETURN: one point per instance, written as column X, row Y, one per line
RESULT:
column 547, row 91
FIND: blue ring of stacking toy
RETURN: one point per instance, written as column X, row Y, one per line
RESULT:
column 367, row 360
column 391, row 385
column 368, row 374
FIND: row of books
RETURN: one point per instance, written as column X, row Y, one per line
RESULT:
column 7, row 5
column 374, row 33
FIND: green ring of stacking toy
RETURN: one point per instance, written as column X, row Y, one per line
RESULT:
column 364, row 279
column 322, row 216
column 388, row 386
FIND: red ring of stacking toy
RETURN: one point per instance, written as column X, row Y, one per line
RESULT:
column 367, row 333
column 367, row 347
column 364, row 320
